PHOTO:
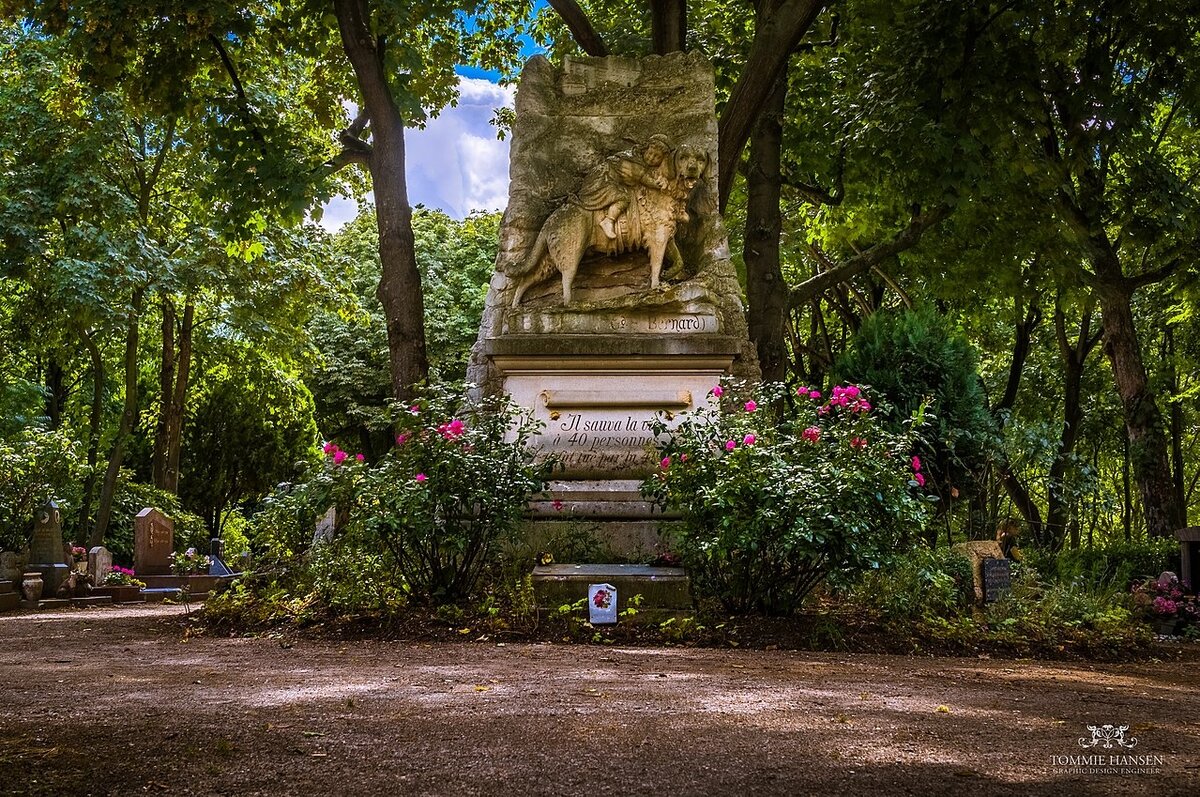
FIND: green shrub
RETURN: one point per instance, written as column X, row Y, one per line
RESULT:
column 426, row 518
column 132, row 497
column 1118, row 562
column 914, row 356
column 778, row 495
column 35, row 467
column 921, row 584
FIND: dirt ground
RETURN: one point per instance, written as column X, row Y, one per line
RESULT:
column 122, row 701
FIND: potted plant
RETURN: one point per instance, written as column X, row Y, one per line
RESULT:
column 121, row 585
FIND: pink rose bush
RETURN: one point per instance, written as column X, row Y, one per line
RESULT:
column 780, row 489
column 434, row 507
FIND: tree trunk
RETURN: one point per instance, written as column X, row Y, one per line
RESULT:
column 95, row 417
column 129, row 415
column 56, row 393
column 577, row 22
column 766, row 292
column 668, row 25
column 1177, row 428
column 400, row 283
column 1144, row 426
column 1074, row 358
column 166, row 388
column 776, row 35
column 183, row 370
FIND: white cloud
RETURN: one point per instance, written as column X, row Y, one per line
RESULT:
column 455, row 163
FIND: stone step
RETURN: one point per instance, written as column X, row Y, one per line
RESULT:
column 7, row 586
column 47, row 603
column 661, row 588
column 614, row 539
column 9, row 601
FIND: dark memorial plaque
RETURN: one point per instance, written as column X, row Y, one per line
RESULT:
column 997, row 579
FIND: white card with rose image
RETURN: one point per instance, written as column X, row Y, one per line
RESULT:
column 602, row 604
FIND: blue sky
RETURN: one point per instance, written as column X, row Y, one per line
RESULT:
column 455, row 163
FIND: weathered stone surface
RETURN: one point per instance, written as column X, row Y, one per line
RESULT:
column 100, row 564
column 568, row 120
column 976, row 552
column 47, row 545
column 153, row 543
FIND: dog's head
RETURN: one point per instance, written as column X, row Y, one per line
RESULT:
column 691, row 164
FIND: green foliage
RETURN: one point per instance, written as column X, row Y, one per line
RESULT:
column 35, row 467
column 250, row 424
column 921, row 584
column 1118, row 562
column 428, row 517
column 777, row 495
column 914, row 359
column 350, row 380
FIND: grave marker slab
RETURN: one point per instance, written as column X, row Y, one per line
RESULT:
column 997, row 579
column 46, row 555
column 100, row 564
column 153, row 543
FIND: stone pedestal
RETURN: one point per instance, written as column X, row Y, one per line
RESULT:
column 597, row 369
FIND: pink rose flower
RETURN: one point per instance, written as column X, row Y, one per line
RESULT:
column 359, row 457
column 751, row 406
column 919, row 479
column 749, row 440
column 401, row 439
column 415, row 409
column 329, row 448
column 717, row 391
column 730, row 445
column 421, row 477
column 812, row 434
column 666, row 463
column 814, row 394
column 858, row 443
column 916, row 463
column 339, row 457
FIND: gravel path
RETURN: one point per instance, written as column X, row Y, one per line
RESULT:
column 122, row 701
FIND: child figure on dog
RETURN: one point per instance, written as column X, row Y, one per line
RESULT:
column 608, row 186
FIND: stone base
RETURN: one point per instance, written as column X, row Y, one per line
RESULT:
column 47, row 603
column 195, row 584
column 661, row 588
column 9, row 600
column 53, row 575
column 121, row 594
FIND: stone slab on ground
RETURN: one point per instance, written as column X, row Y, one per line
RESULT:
column 661, row 588
column 92, row 600
column 121, row 594
column 9, row 600
column 47, row 603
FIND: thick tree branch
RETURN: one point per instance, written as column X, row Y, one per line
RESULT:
column 580, row 27
column 905, row 239
column 243, row 101
column 776, row 36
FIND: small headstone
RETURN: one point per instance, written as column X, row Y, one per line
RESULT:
column 977, row 552
column 997, row 579
column 153, row 543
column 602, row 604
column 99, row 564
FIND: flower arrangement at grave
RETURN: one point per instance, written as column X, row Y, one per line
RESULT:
column 123, row 577
column 781, row 489
column 189, row 563
column 1166, row 602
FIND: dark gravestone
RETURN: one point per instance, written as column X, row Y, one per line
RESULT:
column 997, row 579
column 1189, row 556
column 46, row 549
column 153, row 543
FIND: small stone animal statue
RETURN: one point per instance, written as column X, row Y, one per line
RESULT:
column 655, row 209
column 76, row 585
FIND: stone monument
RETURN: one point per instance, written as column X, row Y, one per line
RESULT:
column 153, row 543
column 614, row 297
column 46, row 555
column 100, row 564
